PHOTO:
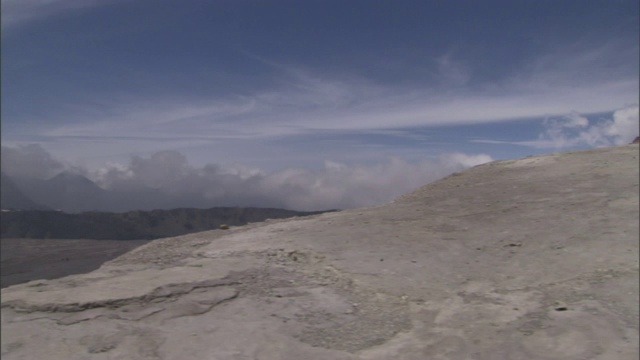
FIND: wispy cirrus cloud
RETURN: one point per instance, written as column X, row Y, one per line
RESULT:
column 305, row 101
column 452, row 72
column 19, row 12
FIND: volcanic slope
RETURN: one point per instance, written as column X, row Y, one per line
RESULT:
column 535, row 258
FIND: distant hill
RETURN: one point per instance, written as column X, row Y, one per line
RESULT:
column 11, row 197
column 131, row 225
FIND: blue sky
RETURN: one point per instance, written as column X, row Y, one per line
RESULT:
column 280, row 84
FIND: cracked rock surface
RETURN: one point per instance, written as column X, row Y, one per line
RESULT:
column 535, row 258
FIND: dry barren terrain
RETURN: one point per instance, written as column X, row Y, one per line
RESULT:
column 535, row 258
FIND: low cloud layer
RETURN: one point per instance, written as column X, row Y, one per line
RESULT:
column 29, row 161
column 334, row 186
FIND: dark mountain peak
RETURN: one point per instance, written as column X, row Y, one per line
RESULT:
column 68, row 178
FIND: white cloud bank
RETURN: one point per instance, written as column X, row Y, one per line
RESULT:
column 576, row 130
column 335, row 186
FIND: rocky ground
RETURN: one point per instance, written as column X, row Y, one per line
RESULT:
column 534, row 258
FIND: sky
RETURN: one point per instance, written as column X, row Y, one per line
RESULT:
column 312, row 88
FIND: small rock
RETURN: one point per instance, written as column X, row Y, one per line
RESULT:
column 560, row 306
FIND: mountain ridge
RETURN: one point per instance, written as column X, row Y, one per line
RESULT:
column 11, row 197
column 132, row 225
